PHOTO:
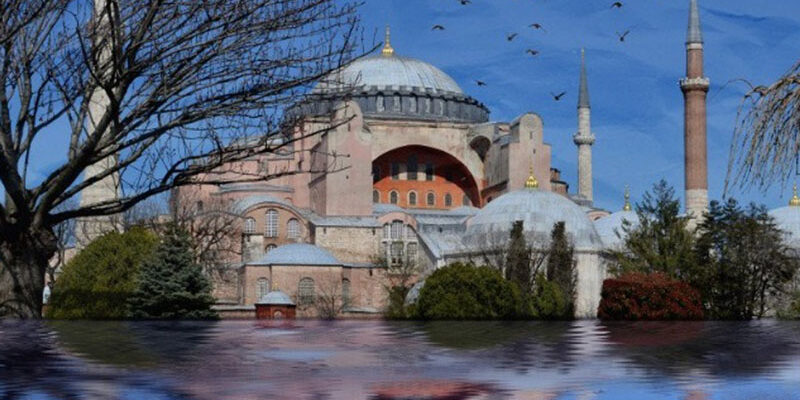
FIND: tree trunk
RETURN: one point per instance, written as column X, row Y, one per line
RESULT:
column 23, row 262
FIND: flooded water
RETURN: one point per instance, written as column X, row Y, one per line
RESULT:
column 399, row 360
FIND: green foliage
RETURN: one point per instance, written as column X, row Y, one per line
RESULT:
column 561, row 270
column 465, row 292
column 792, row 311
column 661, row 242
column 396, row 307
column 745, row 265
column 518, row 260
column 97, row 282
column 548, row 300
column 171, row 284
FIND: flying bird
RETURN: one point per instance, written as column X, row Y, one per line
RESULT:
column 511, row 36
column 465, row 2
column 623, row 35
column 557, row 97
column 437, row 28
column 536, row 25
column 532, row 52
column 480, row 83
column 617, row 4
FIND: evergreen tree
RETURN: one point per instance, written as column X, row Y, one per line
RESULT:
column 518, row 260
column 561, row 267
column 171, row 284
column 662, row 241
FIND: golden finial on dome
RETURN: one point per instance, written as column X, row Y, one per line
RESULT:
column 795, row 201
column 627, row 206
column 387, row 51
column 531, row 183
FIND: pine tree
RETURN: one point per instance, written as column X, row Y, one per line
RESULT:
column 561, row 267
column 518, row 261
column 171, row 284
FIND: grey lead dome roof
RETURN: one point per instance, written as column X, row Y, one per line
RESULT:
column 539, row 210
column 788, row 220
column 298, row 254
column 392, row 71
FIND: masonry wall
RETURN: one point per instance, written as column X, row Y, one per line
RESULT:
column 349, row 244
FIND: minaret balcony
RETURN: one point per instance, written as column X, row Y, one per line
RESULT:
column 582, row 139
column 695, row 84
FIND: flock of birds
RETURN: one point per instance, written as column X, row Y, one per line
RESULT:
column 534, row 52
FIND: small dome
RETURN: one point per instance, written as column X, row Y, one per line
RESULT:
column 787, row 219
column 387, row 71
column 608, row 227
column 298, row 254
column 539, row 210
column 276, row 298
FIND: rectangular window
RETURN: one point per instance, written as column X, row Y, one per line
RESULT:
column 429, row 172
column 397, row 230
column 412, row 253
column 395, row 171
column 397, row 253
column 412, row 168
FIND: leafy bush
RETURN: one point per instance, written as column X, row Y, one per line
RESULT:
column 792, row 310
column 465, row 292
column 97, row 282
column 638, row 296
column 171, row 284
column 548, row 300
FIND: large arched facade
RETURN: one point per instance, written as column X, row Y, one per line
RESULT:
column 423, row 177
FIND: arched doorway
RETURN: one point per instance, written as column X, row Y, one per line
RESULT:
column 422, row 177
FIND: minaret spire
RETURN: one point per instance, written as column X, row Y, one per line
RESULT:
column 584, row 138
column 695, row 89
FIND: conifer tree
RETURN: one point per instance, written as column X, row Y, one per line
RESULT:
column 561, row 267
column 171, row 283
column 518, row 261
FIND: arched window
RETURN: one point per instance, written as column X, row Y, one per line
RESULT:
column 396, row 107
column 431, row 199
column 376, row 196
column 262, row 288
column 346, row 299
column 269, row 248
column 305, row 291
column 412, row 105
column 412, row 168
column 272, row 223
column 380, row 104
column 397, row 253
column 199, row 206
column 387, row 231
column 293, row 228
column 250, row 225
column 397, row 230
column 448, row 200
column 428, row 105
column 412, row 198
column 465, row 201
column 393, row 197
column 411, row 253
column 429, row 171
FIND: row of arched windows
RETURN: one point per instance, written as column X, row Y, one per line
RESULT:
column 415, row 104
column 306, row 291
column 430, row 198
column 293, row 229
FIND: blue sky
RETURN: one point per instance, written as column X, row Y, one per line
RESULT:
column 637, row 106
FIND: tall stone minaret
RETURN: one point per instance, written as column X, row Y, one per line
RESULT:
column 584, row 138
column 107, row 188
column 695, row 87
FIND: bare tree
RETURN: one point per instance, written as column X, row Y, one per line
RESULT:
column 329, row 299
column 766, row 142
column 150, row 94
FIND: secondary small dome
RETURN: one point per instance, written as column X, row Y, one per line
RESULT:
column 608, row 227
column 298, row 254
column 787, row 219
column 276, row 298
column 539, row 210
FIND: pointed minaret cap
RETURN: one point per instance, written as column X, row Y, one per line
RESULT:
column 795, row 201
column 583, row 96
column 695, row 34
column 531, row 183
column 387, row 51
column 627, row 206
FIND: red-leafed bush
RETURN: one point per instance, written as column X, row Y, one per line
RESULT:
column 637, row 296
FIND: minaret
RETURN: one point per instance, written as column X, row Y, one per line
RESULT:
column 584, row 138
column 695, row 87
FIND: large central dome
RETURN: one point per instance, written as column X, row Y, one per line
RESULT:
column 391, row 71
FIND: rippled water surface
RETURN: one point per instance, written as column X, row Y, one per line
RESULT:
column 399, row 360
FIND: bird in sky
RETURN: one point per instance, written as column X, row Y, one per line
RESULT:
column 511, row 37
column 480, row 83
column 536, row 25
column 616, row 4
column 437, row 27
column 557, row 97
column 465, row 2
column 623, row 35
column 532, row 52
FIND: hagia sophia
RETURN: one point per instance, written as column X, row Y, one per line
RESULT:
column 409, row 169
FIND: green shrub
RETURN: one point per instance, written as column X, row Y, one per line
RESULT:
column 792, row 310
column 97, row 282
column 171, row 283
column 465, row 292
column 548, row 300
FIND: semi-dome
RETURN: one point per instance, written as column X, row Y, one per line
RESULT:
column 539, row 210
column 609, row 226
column 276, row 298
column 298, row 254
